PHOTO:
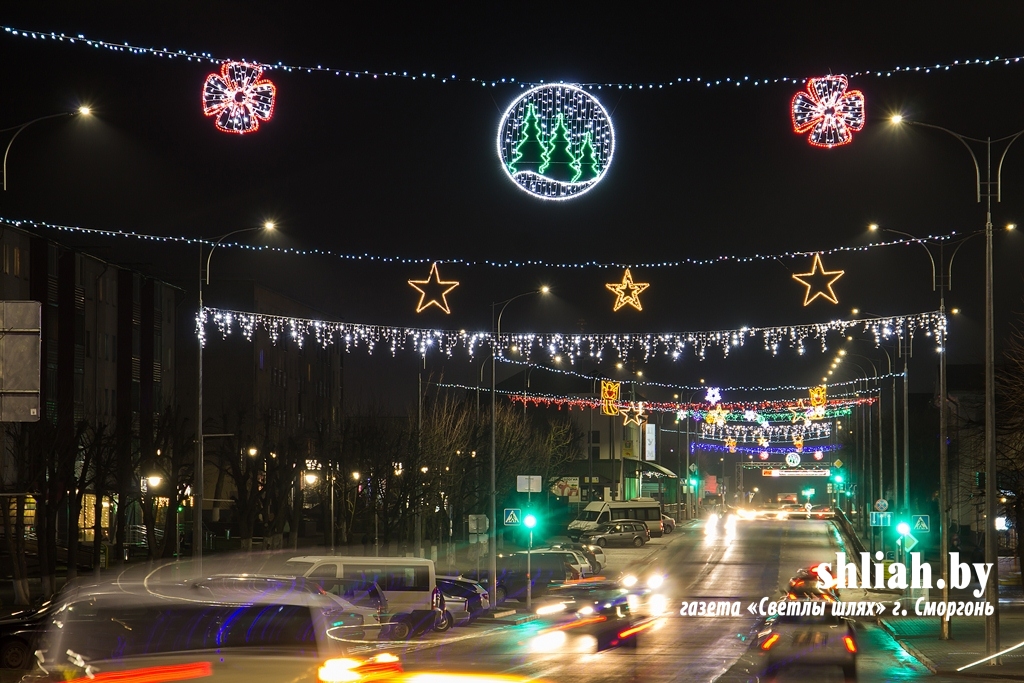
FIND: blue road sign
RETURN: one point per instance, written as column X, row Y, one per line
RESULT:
column 881, row 519
column 921, row 523
column 513, row 516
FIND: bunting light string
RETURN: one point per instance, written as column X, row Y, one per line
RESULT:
column 696, row 81
column 696, row 412
column 376, row 258
column 574, row 346
column 700, row 387
column 757, row 450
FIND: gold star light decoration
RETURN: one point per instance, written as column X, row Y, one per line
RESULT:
column 435, row 284
column 818, row 272
column 627, row 292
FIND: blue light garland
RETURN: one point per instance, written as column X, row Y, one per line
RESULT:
column 206, row 57
column 777, row 450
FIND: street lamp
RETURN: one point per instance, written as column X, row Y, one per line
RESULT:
column 992, row 187
column 200, row 464
column 81, row 111
column 494, row 458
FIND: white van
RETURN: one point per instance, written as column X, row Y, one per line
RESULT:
column 409, row 584
column 647, row 510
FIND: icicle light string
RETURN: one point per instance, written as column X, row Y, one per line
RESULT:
column 574, row 346
column 372, row 258
column 700, row 81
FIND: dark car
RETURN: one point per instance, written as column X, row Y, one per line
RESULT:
column 461, row 588
column 545, row 569
column 623, row 532
column 20, row 631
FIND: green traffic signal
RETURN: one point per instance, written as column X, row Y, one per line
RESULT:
column 838, row 479
column 529, row 521
column 693, row 482
column 903, row 528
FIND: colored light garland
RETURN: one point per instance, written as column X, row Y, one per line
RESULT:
column 371, row 258
column 828, row 112
column 737, row 81
column 686, row 387
column 751, row 433
column 756, row 450
column 573, row 346
column 555, row 141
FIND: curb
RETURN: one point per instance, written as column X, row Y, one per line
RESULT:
column 910, row 649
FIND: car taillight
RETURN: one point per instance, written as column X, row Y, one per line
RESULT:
column 850, row 645
column 767, row 645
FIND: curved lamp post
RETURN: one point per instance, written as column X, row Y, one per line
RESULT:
column 200, row 464
column 494, row 485
column 81, row 111
column 993, row 187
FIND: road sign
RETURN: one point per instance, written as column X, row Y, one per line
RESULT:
column 792, row 459
column 837, row 463
column 909, row 542
column 478, row 524
column 921, row 523
column 513, row 516
column 881, row 518
column 798, row 472
column 881, row 505
column 531, row 483
column 693, row 468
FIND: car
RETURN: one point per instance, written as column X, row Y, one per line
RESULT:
column 466, row 593
column 574, row 558
column 811, row 640
column 132, row 632
column 20, row 631
column 806, row 585
column 594, row 554
column 546, row 569
column 350, row 619
column 668, row 523
column 625, row 532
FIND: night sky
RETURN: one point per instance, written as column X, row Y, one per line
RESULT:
column 408, row 168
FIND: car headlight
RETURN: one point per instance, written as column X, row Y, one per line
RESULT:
column 629, row 581
column 655, row 581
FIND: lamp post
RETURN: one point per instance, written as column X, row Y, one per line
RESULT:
column 992, row 188
column 942, row 279
column 685, row 475
column 81, row 111
column 200, row 464
column 494, row 448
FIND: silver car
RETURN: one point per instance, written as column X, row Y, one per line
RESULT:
column 617, row 533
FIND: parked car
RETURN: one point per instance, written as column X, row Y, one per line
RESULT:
column 594, row 554
column 626, row 532
column 20, row 631
column 465, row 598
column 574, row 558
column 668, row 523
column 545, row 569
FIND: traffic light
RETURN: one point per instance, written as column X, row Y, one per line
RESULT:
column 529, row 521
column 903, row 528
column 693, row 481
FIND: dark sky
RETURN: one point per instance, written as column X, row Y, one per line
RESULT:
column 396, row 167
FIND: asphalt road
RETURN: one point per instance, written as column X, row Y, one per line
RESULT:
column 746, row 563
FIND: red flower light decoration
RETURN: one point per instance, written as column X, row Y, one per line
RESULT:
column 828, row 111
column 238, row 97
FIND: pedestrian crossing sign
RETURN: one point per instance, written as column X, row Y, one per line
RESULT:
column 513, row 516
column 921, row 523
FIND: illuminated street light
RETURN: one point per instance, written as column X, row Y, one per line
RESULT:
column 81, row 111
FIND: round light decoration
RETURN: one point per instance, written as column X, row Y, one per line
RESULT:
column 792, row 459
column 556, row 141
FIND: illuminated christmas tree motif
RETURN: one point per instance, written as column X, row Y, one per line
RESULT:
column 559, row 162
column 586, row 165
column 531, row 146
column 555, row 141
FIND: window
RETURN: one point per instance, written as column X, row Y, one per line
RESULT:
column 622, row 513
column 17, row 262
column 325, row 570
column 595, row 452
column 595, row 436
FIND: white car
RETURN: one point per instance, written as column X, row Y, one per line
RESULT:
column 572, row 558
